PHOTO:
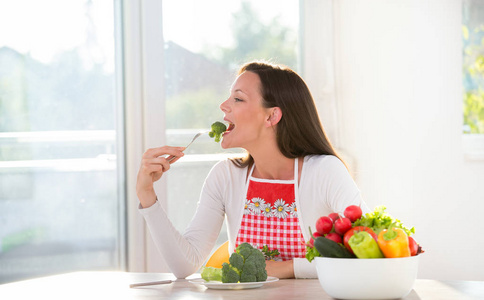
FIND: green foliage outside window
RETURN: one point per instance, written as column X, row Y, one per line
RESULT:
column 255, row 40
column 473, row 67
column 181, row 109
column 193, row 98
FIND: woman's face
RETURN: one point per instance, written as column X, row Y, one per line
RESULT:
column 244, row 112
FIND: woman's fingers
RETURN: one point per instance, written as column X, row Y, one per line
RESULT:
column 165, row 164
column 156, row 161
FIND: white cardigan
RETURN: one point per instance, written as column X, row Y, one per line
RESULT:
column 325, row 186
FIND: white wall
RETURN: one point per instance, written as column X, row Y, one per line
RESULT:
column 398, row 77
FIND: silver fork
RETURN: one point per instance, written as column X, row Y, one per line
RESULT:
column 195, row 137
column 193, row 140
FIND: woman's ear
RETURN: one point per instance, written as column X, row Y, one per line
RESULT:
column 275, row 115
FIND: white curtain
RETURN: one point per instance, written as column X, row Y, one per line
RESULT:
column 318, row 67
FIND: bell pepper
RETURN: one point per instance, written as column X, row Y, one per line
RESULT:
column 352, row 231
column 393, row 242
column 412, row 244
column 364, row 245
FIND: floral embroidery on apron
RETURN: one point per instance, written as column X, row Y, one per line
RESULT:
column 270, row 217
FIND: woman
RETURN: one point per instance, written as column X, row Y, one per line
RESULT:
column 290, row 178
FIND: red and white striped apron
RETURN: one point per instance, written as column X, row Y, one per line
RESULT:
column 270, row 216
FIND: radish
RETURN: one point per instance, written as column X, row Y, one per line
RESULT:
column 324, row 225
column 315, row 234
column 342, row 225
column 334, row 216
column 353, row 212
column 334, row 237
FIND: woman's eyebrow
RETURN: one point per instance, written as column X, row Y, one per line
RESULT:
column 239, row 90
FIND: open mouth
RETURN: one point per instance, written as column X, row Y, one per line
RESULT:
column 230, row 127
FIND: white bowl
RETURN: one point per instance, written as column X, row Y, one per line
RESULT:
column 378, row 278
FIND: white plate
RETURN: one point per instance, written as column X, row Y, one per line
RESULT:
column 233, row 286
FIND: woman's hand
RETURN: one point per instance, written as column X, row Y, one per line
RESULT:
column 280, row 269
column 154, row 163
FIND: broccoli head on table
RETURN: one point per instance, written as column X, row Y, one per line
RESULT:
column 230, row 274
column 246, row 264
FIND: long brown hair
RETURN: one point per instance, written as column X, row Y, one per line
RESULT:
column 299, row 132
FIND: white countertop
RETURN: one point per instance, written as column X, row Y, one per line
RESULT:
column 115, row 285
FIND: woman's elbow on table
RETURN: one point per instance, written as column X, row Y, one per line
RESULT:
column 184, row 272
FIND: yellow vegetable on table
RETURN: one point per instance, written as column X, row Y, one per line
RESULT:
column 220, row 256
column 393, row 242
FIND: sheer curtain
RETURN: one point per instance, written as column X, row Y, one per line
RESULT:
column 318, row 67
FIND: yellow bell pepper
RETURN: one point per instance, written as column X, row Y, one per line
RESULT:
column 393, row 242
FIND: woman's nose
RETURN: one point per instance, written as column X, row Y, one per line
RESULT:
column 223, row 106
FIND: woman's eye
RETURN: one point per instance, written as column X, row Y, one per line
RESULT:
column 238, row 99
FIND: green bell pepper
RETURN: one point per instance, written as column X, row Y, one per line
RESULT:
column 364, row 246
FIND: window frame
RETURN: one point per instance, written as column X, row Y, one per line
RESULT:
column 143, row 66
column 473, row 146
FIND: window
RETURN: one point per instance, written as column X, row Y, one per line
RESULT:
column 61, row 168
column 473, row 75
column 473, row 33
column 70, row 145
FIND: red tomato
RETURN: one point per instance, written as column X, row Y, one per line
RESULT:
column 353, row 212
column 324, row 225
column 352, row 231
column 412, row 244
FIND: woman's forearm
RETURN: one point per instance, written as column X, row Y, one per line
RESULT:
column 147, row 198
column 280, row 269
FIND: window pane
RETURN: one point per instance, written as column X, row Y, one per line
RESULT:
column 473, row 38
column 205, row 42
column 59, row 191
